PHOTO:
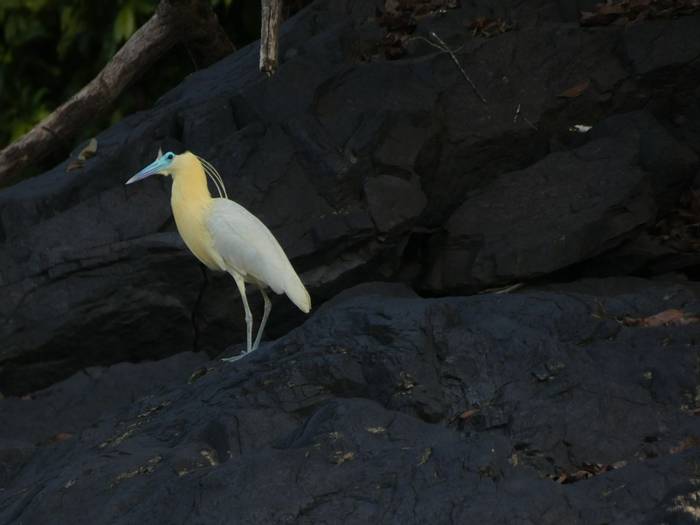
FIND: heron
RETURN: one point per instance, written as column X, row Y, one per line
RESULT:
column 226, row 237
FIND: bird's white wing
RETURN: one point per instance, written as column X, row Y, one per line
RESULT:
column 248, row 247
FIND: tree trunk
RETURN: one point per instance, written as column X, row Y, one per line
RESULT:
column 271, row 15
column 192, row 22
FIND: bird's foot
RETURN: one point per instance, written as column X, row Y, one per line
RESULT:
column 235, row 357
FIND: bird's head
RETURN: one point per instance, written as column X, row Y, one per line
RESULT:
column 165, row 164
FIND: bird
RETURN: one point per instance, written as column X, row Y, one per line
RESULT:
column 226, row 237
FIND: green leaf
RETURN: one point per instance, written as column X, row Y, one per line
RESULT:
column 72, row 26
column 125, row 23
column 21, row 29
column 36, row 5
column 144, row 8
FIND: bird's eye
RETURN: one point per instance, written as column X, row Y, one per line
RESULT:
column 170, row 156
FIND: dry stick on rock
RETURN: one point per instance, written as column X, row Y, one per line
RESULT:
column 442, row 46
column 457, row 63
column 502, row 289
column 192, row 22
column 271, row 15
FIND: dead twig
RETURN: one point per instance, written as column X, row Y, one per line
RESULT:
column 529, row 123
column 527, row 120
column 457, row 63
column 442, row 46
column 503, row 289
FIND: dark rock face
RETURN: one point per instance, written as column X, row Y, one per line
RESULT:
column 551, row 405
column 393, row 201
column 363, row 168
column 64, row 410
column 546, row 217
column 537, row 407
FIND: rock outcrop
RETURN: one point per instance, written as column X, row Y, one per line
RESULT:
column 545, row 406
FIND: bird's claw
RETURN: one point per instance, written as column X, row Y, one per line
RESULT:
column 234, row 358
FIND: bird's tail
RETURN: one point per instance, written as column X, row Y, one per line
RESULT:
column 297, row 293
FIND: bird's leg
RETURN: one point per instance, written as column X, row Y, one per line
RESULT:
column 266, row 313
column 248, row 316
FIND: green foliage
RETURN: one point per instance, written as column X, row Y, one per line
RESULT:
column 49, row 50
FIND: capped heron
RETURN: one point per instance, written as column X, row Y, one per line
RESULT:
column 225, row 236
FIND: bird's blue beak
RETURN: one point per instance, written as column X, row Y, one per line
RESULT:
column 155, row 167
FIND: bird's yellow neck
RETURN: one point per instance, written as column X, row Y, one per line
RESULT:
column 189, row 180
column 190, row 201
